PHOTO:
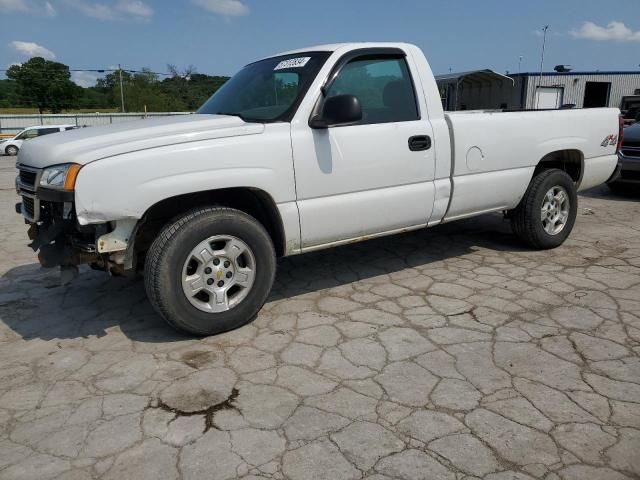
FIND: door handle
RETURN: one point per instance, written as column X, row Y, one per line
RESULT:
column 418, row 143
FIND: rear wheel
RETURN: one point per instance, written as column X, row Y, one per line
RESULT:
column 547, row 212
column 11, row 150
column 210, row 271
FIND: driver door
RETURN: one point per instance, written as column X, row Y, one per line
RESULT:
column 367, row 178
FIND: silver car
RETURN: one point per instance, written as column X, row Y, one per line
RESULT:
column 12, row 146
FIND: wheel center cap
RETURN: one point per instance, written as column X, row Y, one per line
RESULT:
column 219, row 272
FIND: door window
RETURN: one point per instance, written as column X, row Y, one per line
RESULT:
column 47, row 131
column 382, row 85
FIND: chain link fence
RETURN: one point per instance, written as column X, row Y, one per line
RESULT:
column 12, row 124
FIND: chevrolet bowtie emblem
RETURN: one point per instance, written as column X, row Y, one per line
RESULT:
column 219, row 274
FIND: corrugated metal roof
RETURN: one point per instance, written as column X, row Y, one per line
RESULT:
column 473, row 76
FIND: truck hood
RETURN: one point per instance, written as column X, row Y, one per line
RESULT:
column 89, row 144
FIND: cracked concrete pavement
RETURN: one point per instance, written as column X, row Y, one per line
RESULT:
column 450, row 353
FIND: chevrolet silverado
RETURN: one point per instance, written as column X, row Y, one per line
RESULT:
column 297, row 152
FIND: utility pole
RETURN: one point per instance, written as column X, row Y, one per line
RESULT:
column 121, row 87
column 544, row 42
column 519, row 65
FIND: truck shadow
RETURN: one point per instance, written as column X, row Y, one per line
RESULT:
column 33, row 305
column 622, row 194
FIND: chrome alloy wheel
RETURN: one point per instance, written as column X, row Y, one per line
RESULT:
column 555, row 210
column 218, row 273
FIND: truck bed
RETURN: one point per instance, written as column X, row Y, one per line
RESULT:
column 495, row 153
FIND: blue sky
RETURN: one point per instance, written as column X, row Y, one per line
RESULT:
column 219, row 36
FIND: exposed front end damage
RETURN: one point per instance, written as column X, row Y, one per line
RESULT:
column 58, row 237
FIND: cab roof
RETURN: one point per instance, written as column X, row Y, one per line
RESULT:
column 332, row 47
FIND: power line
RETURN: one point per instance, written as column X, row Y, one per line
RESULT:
column 105, row 70
column 120, row 70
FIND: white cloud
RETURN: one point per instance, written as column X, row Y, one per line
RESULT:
column 228, row 8
column 614, row 31
column 49, row 10
column 36, row 7
column 122, row 10
column 135, row 8
column 95, row 10
column 14, row 6
column 84, row 79
column 31, row 49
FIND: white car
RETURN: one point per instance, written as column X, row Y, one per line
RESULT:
column 12, row 146
column 300, row 151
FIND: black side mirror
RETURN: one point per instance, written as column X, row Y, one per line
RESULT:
column 338, row 110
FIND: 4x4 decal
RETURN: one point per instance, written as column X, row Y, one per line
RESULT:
column 609, row 140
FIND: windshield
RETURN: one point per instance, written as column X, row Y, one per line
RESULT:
column 633, row 111
column 269, row 90
column 23, row 135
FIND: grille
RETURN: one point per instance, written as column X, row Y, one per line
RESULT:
column 630, row 175
column 28, row 178
column 631, row 152
column 28, row 206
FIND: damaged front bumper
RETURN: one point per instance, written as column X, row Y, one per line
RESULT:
column 58, row 237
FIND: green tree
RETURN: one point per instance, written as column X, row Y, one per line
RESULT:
column 183, row 91
column 45, row 84
column 109, row 86
column 9, row 94
column 188, row 89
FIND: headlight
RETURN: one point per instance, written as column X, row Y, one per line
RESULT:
column 60, row 177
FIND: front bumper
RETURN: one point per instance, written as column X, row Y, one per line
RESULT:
column 628, row 169
column 53, row 229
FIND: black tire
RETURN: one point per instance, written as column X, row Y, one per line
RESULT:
column 11, row 150
column 525, row 218
column 168, row 253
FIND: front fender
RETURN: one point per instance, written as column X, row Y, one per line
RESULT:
column 127, row 185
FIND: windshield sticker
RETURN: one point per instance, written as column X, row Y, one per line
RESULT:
column 293, row 63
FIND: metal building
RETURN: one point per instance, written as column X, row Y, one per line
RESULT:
column 485, row 89
column 475, row 90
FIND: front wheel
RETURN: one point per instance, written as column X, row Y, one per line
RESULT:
column 547, row 212
column 11, row 150
column 210, row 271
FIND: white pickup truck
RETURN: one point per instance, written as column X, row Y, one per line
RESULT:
column 300, row 151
